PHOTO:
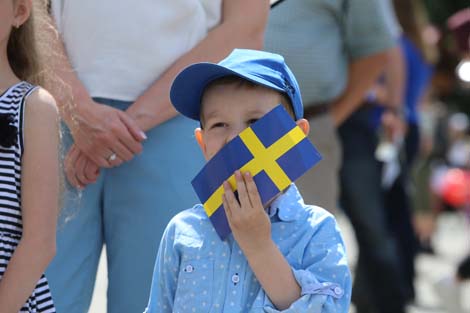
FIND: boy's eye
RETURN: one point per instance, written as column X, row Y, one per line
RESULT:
column 253, row 120
column 218, row 125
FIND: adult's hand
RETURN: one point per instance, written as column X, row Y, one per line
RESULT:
column 79, row 169
column 104, row 134
column 394, row 125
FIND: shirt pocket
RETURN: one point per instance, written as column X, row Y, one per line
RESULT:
column 194, row 290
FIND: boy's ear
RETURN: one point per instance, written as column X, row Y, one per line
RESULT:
column 200, row 140
column 304, row 125
column 22, row 12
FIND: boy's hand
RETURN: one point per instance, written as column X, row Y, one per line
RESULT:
column 251, row 226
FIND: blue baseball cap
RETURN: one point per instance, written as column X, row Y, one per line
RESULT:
column 260, row 67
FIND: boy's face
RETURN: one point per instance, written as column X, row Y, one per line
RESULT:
column 230, row 108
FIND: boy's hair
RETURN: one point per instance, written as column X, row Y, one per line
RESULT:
column 243, row 83
column 27, row 45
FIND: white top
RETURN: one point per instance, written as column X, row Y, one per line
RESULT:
column 120, row 47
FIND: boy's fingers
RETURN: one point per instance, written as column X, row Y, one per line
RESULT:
column 242, row 191
column 230, row 198
column 252, row 190
column 227, row 209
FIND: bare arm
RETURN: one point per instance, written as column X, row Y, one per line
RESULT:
column 251, row 229
column 40, row 190
column 395, row 79
column 391, row 93
column 363, row 73
column 243, row 24
column 98, row 130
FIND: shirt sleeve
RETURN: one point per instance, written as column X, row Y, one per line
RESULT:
column 370, row 27
column 324, row 275
column 164, row 280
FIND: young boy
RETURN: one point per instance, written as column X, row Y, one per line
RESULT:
column 286, row 257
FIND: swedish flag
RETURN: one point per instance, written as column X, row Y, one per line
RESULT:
column 274, row 150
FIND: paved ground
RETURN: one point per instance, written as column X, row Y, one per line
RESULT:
column 452, row 242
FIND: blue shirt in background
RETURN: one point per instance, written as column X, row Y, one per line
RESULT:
column 418, row 76
column 197, row 272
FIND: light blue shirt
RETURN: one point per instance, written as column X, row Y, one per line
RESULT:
column 197, row 272
column 320, row 38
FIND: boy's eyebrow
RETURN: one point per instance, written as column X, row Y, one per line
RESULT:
column 215, row 111
column 210, row 114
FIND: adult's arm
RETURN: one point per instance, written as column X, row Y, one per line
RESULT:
column 98, row 130
column 395, row 79
column 370, row 32
column 242, row 26
column 363, row 73
column 393, row 119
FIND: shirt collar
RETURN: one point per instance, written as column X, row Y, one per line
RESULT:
column 287, row 206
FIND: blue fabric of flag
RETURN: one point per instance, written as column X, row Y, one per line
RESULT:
column 229, row 159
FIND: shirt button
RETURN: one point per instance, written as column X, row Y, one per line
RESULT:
column 235, row 279
column 189, row 268
column 338, row 291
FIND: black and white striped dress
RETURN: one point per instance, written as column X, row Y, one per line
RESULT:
column 12, row 103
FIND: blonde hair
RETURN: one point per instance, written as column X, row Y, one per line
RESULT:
column 28, row 47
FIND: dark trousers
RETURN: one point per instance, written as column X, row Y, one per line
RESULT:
column 464, row 268
column 399, row 212
column 378, row 283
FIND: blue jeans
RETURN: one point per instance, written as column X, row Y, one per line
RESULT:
column 377, row 286
column 126, row 210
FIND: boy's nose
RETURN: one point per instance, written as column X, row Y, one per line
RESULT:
column 235, row 131
column 231, row 136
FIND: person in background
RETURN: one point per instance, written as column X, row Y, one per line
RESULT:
column 125, row 142
column 398, row 114
column 452, row 192
column 337, row 50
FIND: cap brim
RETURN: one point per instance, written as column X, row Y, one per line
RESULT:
column 188, row 87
